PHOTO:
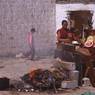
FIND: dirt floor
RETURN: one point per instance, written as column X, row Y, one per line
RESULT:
column 14, row 68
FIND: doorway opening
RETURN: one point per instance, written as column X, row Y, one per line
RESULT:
column 81, row 20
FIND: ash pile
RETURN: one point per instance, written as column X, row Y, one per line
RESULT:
column 61, row 75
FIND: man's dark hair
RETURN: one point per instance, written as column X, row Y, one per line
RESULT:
column 63, row 21
column 33, row 30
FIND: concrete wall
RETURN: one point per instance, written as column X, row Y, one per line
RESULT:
column 17, row 17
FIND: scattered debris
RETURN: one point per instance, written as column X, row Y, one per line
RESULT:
column 20, row 55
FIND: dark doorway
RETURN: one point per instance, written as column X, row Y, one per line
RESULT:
column 82, row 19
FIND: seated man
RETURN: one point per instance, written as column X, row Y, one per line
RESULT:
column 64, row 37
column 63, row 34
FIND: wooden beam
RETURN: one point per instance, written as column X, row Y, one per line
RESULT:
column 75, row 1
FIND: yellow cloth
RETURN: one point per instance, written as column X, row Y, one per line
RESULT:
column 90, row 42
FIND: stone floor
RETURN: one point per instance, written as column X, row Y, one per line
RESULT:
column 14, row 68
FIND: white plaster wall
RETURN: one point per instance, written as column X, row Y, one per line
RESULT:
column 61, row 11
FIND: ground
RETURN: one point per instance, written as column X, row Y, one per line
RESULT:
column 14, row 68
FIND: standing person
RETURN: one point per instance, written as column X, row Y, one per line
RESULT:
column 63, row 34
column 31, row 43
